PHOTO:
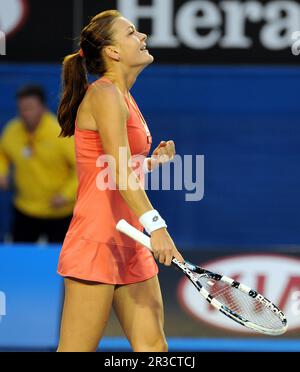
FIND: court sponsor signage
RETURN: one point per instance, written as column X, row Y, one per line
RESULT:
column 277, row 277
column 180, row 31
column 2, row 43
column 296, row 43
column 12, row 15
column 226, row 30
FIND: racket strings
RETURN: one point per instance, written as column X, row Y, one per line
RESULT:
column 258, row 306
column 241, row 304
column 210, row 283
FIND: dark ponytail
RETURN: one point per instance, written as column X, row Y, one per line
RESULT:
column 74, row 86
column 94, row 37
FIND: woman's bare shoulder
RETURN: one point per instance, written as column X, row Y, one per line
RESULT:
column 102, row 92
column 104, row 103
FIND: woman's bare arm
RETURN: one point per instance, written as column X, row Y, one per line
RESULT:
column 111, row 114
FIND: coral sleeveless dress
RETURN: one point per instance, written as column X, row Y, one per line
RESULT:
column 93, row 249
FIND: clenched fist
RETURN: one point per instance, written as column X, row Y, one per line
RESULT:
column 164, row 153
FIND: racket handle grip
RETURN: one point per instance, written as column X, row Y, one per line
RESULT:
column 135, row 234
column 124, row 227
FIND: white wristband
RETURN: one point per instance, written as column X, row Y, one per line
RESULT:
column 152, row 221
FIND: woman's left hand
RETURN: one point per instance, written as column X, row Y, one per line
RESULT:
column 164, row 153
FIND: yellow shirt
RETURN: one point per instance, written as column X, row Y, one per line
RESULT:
column 43, row 164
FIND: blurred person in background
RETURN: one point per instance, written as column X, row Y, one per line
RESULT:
column 44, row 175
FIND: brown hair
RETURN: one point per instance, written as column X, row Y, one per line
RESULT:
column 94, row 37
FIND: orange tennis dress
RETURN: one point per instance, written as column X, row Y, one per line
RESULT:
column 93, row 249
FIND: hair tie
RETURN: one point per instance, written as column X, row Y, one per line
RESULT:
column 81, row 53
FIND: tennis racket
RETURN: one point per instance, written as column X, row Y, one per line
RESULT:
column 233, row 299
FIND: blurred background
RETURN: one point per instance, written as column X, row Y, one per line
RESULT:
column 225, row 84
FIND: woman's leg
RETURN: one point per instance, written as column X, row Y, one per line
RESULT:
column 85, row 315
column 139, row 308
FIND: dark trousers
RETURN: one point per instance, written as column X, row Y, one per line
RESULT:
column 28, row 229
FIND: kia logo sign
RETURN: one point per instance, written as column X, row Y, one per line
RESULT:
column 277, row 277
column 12, row 15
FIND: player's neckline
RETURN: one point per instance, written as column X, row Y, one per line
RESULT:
column 108, row 79
column 131, row 100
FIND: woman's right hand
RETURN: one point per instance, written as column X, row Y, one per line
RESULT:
column 163, row 247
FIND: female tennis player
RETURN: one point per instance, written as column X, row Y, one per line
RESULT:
column 101, row 266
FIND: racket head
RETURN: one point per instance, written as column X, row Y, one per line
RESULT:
column 239, row 302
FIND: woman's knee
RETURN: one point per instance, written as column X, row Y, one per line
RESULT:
column 159, row 345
